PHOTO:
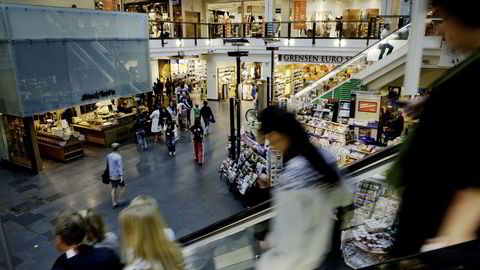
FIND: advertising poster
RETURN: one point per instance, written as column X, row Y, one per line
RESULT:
column 300, row 14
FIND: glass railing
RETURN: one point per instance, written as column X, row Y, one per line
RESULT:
column 366, row 29
column 344, row 72
column 5, row 259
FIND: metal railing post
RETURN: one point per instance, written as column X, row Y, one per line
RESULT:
column 244, row 29
column 266, row 29
column 224, row 30
column 340, row 34
column 162, row 34
column 195, row 33
column 369, row 31
column 289, row 30
column 314, row 34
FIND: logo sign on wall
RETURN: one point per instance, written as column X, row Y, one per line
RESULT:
column 98, row 95
column 321, row 59
column 367, row 106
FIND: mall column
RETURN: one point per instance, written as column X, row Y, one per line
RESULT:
column 414, row 55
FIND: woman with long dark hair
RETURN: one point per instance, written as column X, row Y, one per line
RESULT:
column 306, row 196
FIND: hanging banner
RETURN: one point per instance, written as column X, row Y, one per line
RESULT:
column 300, row 14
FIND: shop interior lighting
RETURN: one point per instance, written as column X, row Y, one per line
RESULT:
column 179, row 43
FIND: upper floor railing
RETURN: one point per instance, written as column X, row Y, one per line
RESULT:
column 336, row 29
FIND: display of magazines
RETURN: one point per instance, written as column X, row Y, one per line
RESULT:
column 370, row 235
column 241, row 174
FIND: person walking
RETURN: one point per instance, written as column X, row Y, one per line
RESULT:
column 139, row 127
column 144, row 240
column 115, row 169
column 164, row 116
column 70, row 230
column 308, row 192
column 197, row 132
column 156, row 129
column 182, row 115
column 441, row 191
column 189, row 105
column 384, row 46
column 170, row 137
column 207, row 115
column 196, row 112
column 172, row 110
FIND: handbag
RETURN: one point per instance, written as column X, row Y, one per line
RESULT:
column 212, row 120
column 106, row 176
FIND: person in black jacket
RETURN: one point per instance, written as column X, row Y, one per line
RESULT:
column 70, row 230
column 207, row 115
column 139, row 127
column 170, row 136
column 441, row 187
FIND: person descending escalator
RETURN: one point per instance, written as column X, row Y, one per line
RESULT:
column 441, row 186
column 306, row 196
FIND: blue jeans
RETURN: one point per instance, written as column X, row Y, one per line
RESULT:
column 171, row 144
column 141, row 140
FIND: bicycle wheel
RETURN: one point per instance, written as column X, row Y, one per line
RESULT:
column 251, row 115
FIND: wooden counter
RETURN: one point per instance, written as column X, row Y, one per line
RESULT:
column 106, row 135
column 57, row 148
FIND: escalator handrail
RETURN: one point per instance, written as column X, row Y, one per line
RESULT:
column 339, row 67
column 217, row 226
column 463, row 254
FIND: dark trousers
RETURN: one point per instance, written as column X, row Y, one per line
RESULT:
column 141, row 140
column 171, row 143
column 383, row 48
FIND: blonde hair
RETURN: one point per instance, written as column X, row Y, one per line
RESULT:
column 96, row 226
column 142, row 229
column 144, row 200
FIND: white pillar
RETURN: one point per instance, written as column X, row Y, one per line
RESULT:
column 212, row 91
column 269, row 9
column 415, row 47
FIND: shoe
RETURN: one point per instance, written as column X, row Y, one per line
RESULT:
column 115, row 206
column 120, row 204
column 174, row 153
column 201, row 164
column 169, row 153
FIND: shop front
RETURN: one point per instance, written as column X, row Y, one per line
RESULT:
column 50, row 109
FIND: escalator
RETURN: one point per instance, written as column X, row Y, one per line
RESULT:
column 231, row 244
column 365, row 67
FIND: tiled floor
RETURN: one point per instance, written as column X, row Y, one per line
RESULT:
column 190, row 196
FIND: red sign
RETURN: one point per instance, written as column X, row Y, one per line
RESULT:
column 300, row 14
column 367, row 106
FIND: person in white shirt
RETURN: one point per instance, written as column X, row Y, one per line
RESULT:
column 384, row 46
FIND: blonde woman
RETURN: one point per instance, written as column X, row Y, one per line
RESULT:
column 144, row 241
column 149, row 200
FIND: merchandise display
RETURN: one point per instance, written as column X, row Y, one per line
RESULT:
column 254, row 161
column 369, row 238
column 227, row 82
column 56, row 139
column 291, row 78
column 17, row 140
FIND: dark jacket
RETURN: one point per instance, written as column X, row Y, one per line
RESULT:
column 206, row 112
column 170, row 131
column 89, row 258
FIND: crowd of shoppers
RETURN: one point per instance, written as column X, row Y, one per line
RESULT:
column 147, row 243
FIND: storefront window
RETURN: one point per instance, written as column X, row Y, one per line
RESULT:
column 18, row 141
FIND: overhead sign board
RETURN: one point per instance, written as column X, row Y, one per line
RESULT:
column 320, row 59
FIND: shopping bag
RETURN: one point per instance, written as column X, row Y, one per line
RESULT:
column 106, row 176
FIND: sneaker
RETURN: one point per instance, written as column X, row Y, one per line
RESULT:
column 174, row 153
column 169, row 153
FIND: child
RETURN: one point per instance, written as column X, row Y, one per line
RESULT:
column 197, row 132
column 170, row 137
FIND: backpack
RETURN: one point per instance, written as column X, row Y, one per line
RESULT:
column 197, row 134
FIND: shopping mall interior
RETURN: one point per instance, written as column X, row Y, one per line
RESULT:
column 82, row 79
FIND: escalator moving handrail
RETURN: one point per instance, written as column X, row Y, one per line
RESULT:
column 197, row 235
column 460, row 256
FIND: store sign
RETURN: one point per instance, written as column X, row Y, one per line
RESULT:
column 322, row 59
column 300, row 14
column 367, row 106
column 98, row 95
